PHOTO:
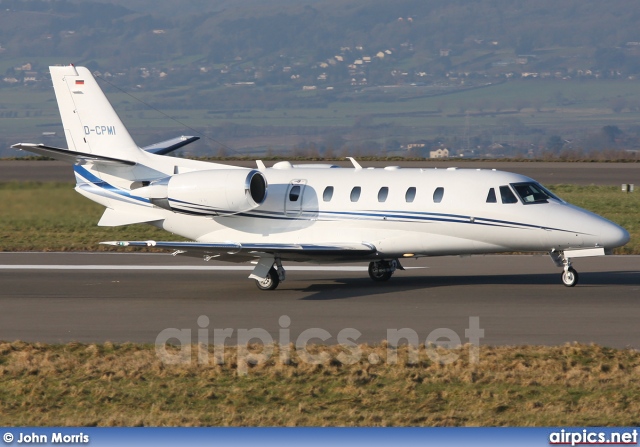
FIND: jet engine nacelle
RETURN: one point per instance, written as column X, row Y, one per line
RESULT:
column 219, row 192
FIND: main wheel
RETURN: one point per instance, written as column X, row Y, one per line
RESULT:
column 570, row 277
column 378, row 271
column 270, row 282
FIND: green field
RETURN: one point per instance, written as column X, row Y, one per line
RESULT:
column 128, row 385
column 609, row 202
column 53, row 217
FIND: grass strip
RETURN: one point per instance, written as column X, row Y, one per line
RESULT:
column 53, row 217
column 609, row 202
column 128, row 385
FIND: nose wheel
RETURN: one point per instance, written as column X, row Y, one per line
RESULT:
column 570, row 277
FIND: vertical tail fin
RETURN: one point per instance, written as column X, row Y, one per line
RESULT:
column 91, row 125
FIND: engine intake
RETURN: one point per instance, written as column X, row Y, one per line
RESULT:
column 217, row 192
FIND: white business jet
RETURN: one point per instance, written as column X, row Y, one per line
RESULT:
column 310, row 213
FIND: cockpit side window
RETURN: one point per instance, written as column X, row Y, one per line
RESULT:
column 491, row 197
column 507, row 195
column 531, row 192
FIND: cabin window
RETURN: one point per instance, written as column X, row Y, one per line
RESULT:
column 355, row 193
column 410, row 194
column 294, row 193
column 491, row 197
column 438, row 194
column 533, row 193
column 382, row 194
column 507, row 195
column 327, row 194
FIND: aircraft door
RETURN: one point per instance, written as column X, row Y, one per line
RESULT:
column 294, row 197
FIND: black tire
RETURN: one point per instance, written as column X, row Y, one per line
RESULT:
column 570, row 277
column 271, row 282
column 378, row 275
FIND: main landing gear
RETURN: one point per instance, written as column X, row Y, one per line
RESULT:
column 274, row 276
column 380, row 271
column 270, row 282
column 569, row 274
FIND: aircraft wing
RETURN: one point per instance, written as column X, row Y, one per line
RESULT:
column 240, row 252
column 69, row 156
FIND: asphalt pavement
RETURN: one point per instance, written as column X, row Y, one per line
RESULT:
column 518, row 300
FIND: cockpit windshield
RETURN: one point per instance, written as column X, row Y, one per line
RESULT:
column 533, row 193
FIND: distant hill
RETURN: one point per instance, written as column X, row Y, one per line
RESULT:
column 175, row 9
column 437, row 34
column 495, row 76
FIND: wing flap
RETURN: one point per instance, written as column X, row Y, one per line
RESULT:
column 253, row 250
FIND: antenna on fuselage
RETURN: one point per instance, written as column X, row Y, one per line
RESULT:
column 356, row 165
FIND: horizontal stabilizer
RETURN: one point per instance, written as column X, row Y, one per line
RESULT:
column 76, row 158
column 114, row 218
column 285, row 251
column 168, row 146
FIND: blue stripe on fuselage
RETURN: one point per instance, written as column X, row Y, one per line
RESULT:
column 85, row 177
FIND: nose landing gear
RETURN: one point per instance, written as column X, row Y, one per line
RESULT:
column 569, row 275
column 273, row 277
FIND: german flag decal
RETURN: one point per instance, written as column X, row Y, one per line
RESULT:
column 80, row 82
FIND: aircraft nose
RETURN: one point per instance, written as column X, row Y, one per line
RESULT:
column 612, row 235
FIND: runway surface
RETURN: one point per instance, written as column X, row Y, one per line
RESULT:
column 61, row 297
column 544, row 172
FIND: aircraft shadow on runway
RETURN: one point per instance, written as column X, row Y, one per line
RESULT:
column 346, row 288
